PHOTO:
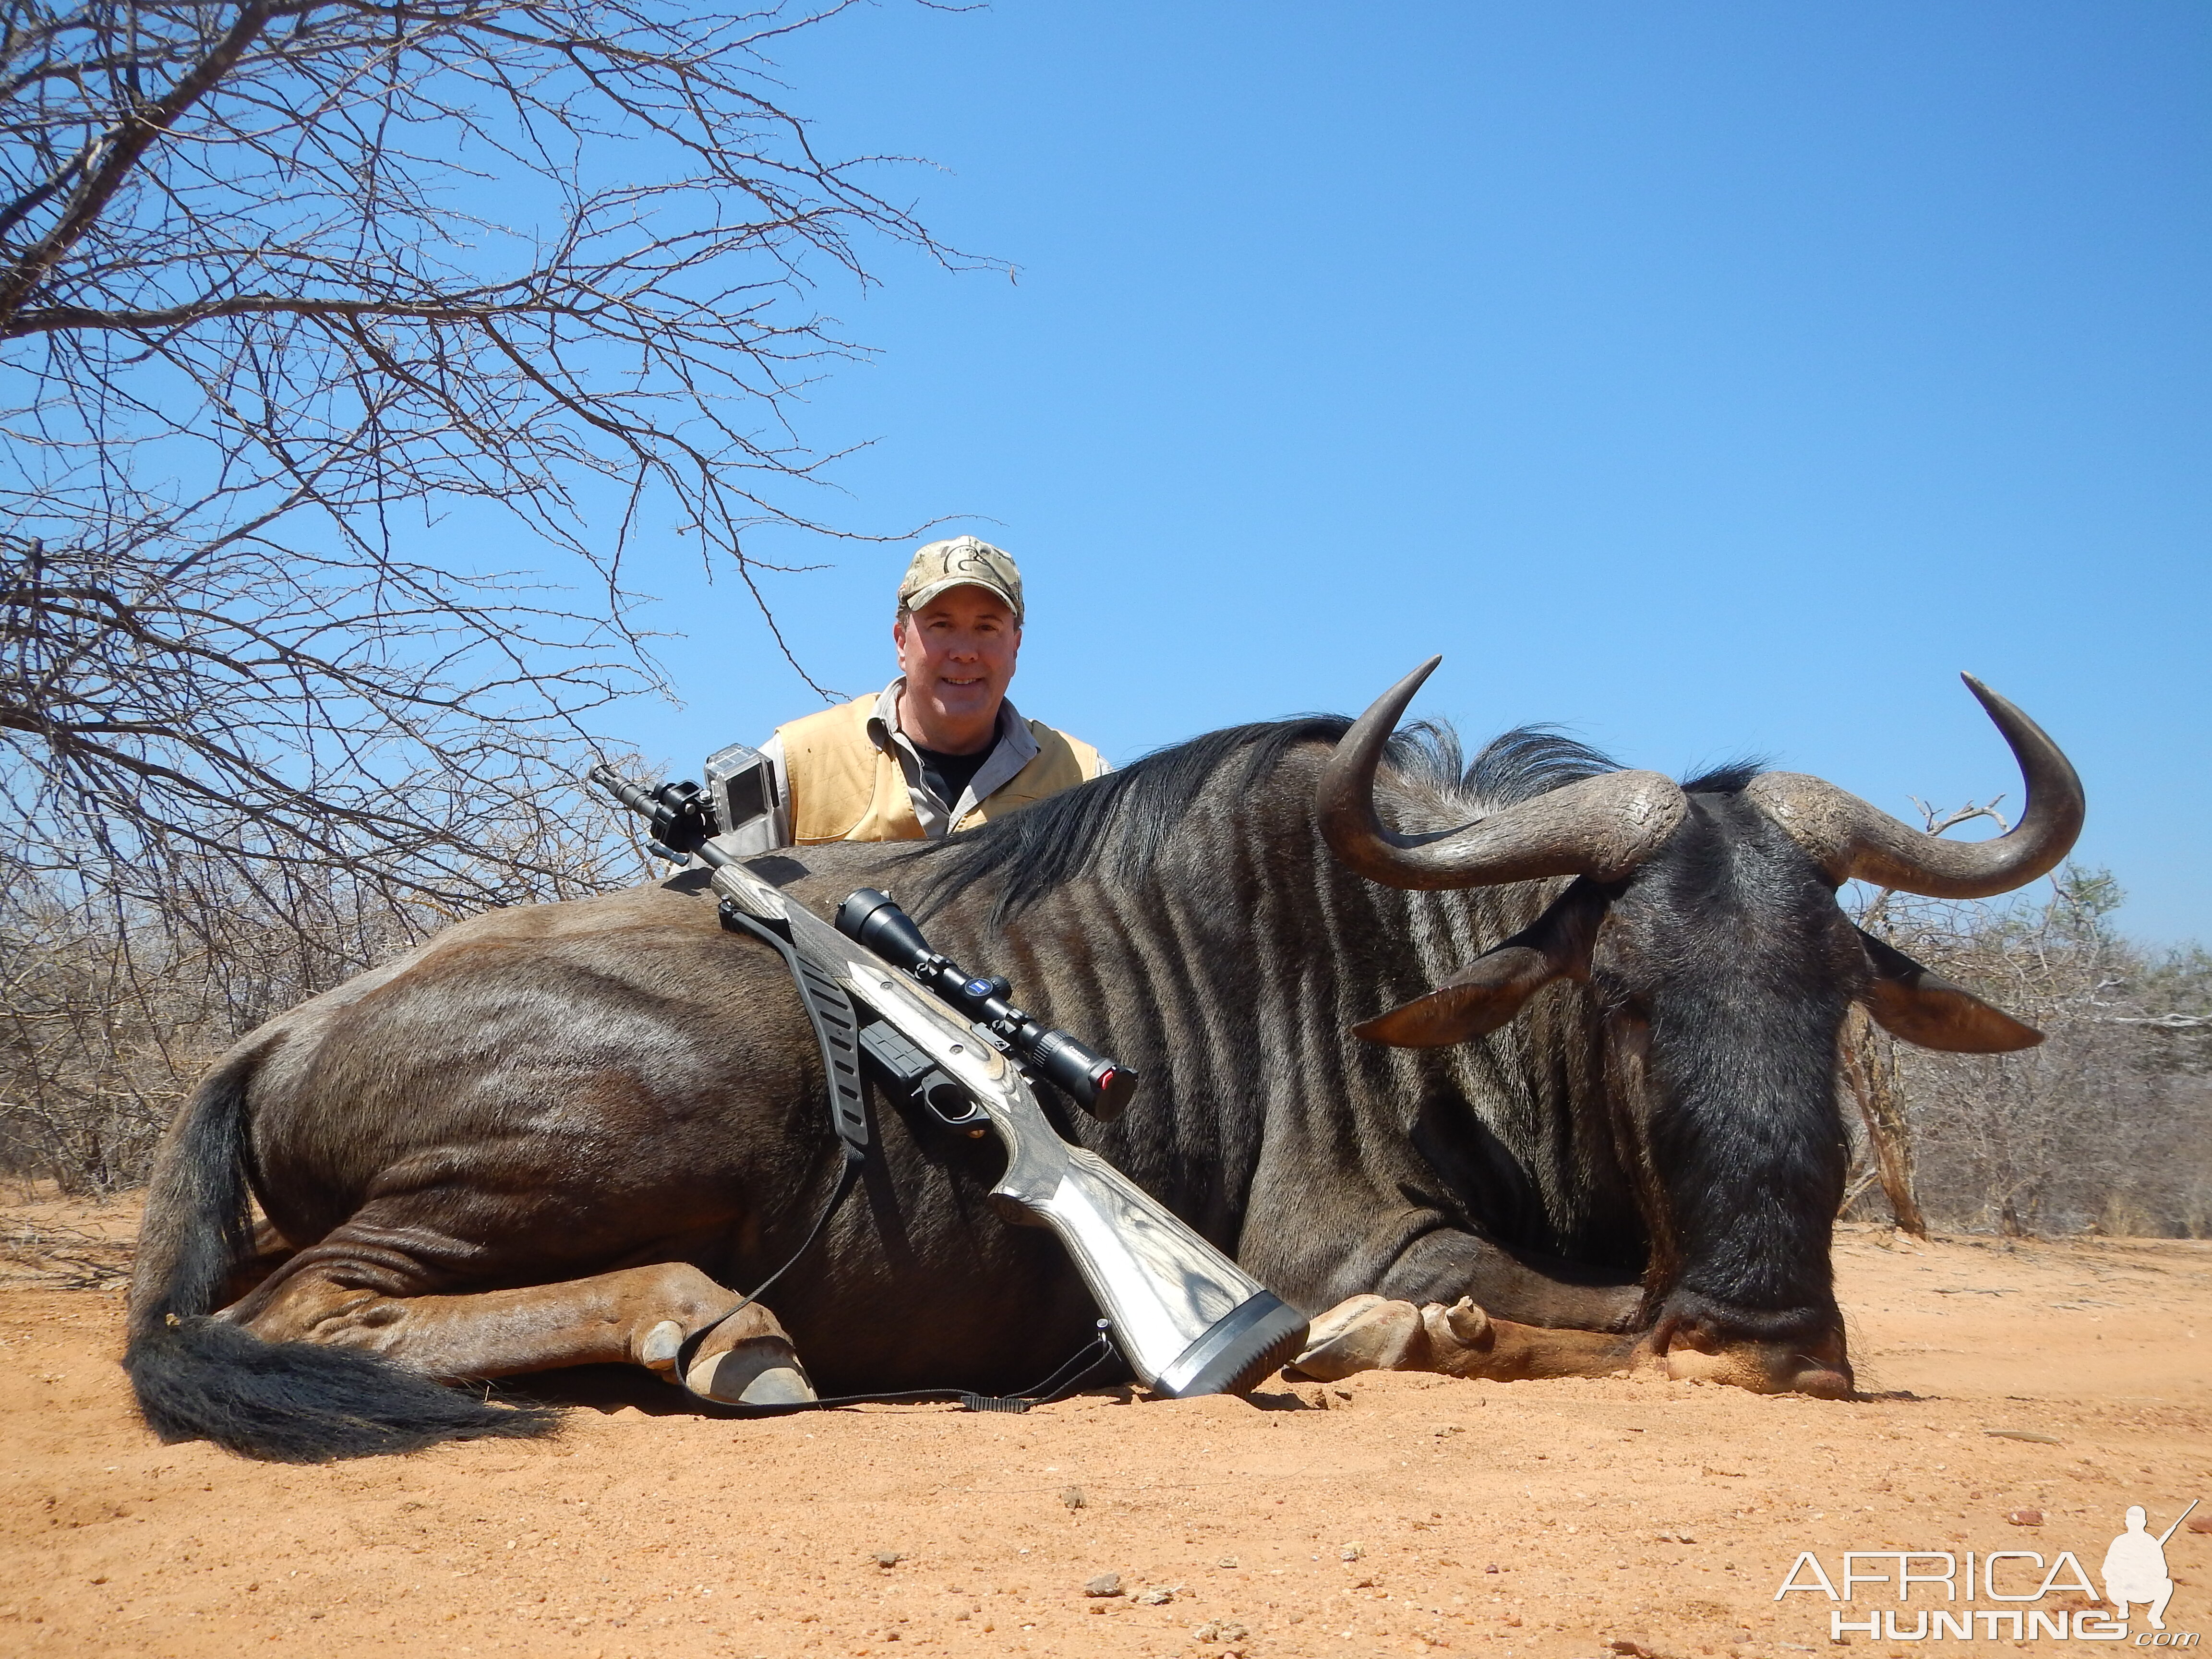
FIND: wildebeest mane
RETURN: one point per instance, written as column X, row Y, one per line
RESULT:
column 1528, row 761
column 1128, row 815
column 1728, row 778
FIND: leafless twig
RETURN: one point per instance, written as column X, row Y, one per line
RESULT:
column 347, row 349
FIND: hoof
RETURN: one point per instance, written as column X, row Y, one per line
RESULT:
column 1341, row 1318
column 1761, row 1368
column 763, row 1371
column 1366, row 1334
column 658, row 1352
column 1468, row 1325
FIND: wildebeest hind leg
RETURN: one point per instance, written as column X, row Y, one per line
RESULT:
column 1372, row 1332
column 638, row 1316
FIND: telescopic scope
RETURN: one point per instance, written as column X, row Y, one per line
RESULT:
column 1102, row 1086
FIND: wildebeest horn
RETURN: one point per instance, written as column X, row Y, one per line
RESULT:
column 1851, row 838
column 1601, row 827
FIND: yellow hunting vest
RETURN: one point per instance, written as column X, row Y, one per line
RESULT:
column 842, row 787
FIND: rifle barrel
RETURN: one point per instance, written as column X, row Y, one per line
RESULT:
column 2176, row 1527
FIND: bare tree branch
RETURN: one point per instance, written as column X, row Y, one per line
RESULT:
column 264, row 304
column 346, row 351
column 2107, row 1123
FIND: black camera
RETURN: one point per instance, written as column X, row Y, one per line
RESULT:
column 1102, row 1086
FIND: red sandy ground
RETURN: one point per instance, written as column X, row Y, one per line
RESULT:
column 1392, row 1514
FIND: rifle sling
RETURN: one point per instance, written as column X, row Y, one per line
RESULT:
column 837, row 1028
column 829, row 1011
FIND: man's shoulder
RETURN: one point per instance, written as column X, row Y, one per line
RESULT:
column 1051, row 741
column 836, row 728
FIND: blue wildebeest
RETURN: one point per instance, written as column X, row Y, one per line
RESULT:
column 558, row 1134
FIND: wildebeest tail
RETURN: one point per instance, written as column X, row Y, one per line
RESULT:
column 199, row 1378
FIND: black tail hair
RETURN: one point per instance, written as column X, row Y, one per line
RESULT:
column 198, row 1378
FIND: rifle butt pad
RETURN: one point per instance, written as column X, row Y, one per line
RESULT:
column 1189, row 1319
column 1261, row 1335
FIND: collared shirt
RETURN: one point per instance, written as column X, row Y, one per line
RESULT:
column 1012, row 749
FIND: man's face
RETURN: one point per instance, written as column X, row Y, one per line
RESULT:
column 957, row 653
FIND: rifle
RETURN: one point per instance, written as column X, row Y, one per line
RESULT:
column 2176, row 1527
column 1189, row 1319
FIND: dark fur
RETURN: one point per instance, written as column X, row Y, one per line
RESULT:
column 554, row 1091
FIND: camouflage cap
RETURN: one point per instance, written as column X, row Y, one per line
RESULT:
column 962, row 562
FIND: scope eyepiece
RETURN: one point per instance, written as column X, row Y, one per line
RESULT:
column 1071, row 1065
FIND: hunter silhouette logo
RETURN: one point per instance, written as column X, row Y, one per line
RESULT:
column 2134, row 1571
column 2135, row 1567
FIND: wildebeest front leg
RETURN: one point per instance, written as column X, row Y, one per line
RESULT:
column 1372, row 1332
column 748, row 1360
column 638, row 1316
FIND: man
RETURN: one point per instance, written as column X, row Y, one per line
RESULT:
column 940, row 748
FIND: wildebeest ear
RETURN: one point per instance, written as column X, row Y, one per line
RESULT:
column 1909, row 1001
column 1489, row 990
column 1469, row 1004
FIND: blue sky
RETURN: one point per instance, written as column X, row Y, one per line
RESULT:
column 1707, row 378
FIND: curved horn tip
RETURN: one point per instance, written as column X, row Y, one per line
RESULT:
column 1392, row 703
column 1414, row 681
column 1990, row 701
